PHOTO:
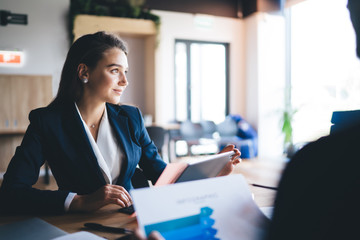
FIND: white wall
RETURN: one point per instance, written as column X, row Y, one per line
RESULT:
column 44, row 40
column 265, row 68
column 252, row 69
column 135, row 91
column 181, row 26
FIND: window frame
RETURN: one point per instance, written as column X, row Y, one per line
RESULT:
column 188, row 43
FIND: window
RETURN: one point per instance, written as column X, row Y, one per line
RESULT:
column 325, row 73
column 201, row 81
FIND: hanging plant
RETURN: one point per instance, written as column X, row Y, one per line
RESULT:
column 114, row 8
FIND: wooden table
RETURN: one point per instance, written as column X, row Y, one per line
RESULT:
column 266, row 173
column 255, row 171
column 74, row 222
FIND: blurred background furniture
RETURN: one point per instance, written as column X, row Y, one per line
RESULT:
column 209, row 129
column 191, row 133
column 187, row 138
column 193, row 138
column 344, row 119
column 139, row 180
column 157, row 134
column 164, row 137
column 237, row 131
column 206, row 137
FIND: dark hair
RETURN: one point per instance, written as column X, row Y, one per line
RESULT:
column 88, row 49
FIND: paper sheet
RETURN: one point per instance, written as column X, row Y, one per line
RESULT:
column 79, row 236
column 215, row 208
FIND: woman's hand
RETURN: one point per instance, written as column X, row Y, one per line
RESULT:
column 108, row 194
column 235, row 159
column 154, row 235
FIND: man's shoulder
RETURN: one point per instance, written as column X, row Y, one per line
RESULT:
column 335, row 151
column 340, row 142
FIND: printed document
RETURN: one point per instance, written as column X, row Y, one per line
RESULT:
column 214, row 208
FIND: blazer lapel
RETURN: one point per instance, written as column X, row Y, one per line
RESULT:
column 120, row 124
column 75, row 128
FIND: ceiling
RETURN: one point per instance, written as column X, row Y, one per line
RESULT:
column 223, row 8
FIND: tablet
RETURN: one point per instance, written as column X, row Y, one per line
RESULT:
column 206, row 168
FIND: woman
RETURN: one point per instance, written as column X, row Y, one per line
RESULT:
column 91, row 143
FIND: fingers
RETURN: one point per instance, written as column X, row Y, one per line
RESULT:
column 227, row 148
column 236, row 161
column 117, row 201
column 123, row 190
column 138, row 235
column 108, row 194
column 119, row 198
column 236, row 154
column 154, row 235
column 227, row 169
column 122, row 197
column 235, row 158
column 116, row 195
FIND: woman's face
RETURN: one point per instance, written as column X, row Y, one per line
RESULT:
column 107, row 80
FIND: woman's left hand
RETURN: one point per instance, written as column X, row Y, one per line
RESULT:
column 235, row 159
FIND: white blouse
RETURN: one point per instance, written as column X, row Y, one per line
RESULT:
column 107, row 151
column 106, row 148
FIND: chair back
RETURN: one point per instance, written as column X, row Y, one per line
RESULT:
column 157, row 135
column 190, row 130
column 227, row 128
column 344, row 119
column 209, row 128
column 139, row 180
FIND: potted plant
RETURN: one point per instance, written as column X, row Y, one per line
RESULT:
column 287, row 130
column 114, row 8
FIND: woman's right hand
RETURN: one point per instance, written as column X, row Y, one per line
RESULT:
column 108, row 194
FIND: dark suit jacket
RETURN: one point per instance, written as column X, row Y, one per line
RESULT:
column 319, row 193
column 57, row 135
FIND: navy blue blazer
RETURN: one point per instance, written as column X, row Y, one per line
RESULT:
column 56, row 134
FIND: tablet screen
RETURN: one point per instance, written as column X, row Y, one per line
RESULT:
column 206, row 168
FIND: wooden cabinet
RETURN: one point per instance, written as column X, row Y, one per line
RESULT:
column 19, row 94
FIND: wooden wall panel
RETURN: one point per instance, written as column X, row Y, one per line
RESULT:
column 19, row 94
column 8, row 144
column 27, row 93
column 5, row 97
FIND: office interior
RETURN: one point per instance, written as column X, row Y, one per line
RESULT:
column 293, row 57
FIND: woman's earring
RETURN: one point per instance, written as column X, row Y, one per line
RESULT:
column 85, row 80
